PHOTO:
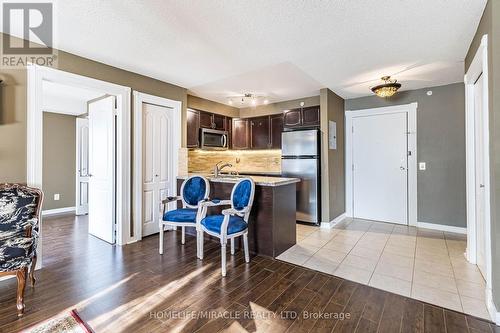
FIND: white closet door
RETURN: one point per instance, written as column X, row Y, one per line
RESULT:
column 102, row 169
column 380, row 165
column 158, row 177
column 82, row 166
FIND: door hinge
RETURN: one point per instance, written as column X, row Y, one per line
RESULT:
column 352, row 128
column 409, row 152
column 353, row 167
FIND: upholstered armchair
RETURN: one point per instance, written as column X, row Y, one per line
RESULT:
column 19, row 215
column 193, row 190
column 232, row 223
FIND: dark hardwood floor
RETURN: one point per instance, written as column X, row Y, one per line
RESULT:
column 134, row 289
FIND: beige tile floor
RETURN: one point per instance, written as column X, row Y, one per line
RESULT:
column 424, row 264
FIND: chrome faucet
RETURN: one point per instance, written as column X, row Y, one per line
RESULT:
column 218, row 169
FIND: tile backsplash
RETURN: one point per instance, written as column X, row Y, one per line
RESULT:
column 242, row 160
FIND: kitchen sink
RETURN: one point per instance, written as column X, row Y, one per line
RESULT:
column 228, row 177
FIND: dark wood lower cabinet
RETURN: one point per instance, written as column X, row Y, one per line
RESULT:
column 272, row 224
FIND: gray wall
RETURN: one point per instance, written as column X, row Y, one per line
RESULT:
column 59, row 160
column 332, row 161
column 199, row 103
column 490, row 24
column 441, row 144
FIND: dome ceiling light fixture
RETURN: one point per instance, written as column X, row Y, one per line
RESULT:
column 247, row 99
column 388, row 88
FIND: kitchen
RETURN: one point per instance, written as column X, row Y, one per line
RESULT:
column 278, row 145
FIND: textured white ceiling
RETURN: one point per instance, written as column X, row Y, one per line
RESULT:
column 283, row 48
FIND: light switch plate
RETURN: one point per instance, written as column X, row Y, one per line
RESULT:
column 421, row 166
column 56, row 196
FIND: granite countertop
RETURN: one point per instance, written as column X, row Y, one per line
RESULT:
column 259, row 180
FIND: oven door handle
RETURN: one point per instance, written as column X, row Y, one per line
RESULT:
column 224, row 140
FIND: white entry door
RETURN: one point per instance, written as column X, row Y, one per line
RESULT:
column 82, row 166
column 102, row 168
column 157, row 163
column 380, row 168
column 480, row 181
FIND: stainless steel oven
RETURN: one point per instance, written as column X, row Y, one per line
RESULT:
column 213, row 139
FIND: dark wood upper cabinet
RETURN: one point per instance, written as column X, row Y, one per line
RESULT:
column 276, row 129
column 310, row 116
column 292, row 118
column 206, row 120
column 259, row 132
column 219, row 122
column 193, row 128
column 303, row 117
column 240, row 134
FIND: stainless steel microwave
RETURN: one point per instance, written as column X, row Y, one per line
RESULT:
column 213, row 139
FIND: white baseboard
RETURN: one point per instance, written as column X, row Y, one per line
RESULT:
column 492, row 309
column 54, row 211
column 442, row 227
column 332, row 223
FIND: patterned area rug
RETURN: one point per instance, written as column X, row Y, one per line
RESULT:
column 69, row 322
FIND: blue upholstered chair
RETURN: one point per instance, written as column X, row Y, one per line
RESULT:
column 232, row 223
column 193, row 190
column 19, row 223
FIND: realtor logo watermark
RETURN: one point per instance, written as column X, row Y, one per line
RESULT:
column 28, row 34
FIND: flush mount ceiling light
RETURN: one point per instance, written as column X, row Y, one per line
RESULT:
column 388, row 88
column 247, row 99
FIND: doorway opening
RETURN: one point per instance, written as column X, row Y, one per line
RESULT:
column 79, row 166
column 103, row 110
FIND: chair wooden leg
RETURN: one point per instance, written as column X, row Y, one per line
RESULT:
column 232, row 246
column 183, row 238
column 201, row 245
column 198, row 244
column 161, row 238
column 223, row 258
column 32, row 270
column 21, row 283
column 245, row 245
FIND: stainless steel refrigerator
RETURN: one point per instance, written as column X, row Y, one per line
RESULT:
column 300, row 158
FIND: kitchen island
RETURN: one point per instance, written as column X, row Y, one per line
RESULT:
column 271, row 226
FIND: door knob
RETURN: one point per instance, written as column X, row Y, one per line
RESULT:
column 402, row 168
column 481, row 185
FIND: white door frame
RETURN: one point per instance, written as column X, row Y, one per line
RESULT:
column 139, row 99
column 35, row 76
column 78, row 149
column 478, row 66
column 411, row 110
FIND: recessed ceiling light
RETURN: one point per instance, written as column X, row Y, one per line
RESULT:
column 254, row 101
column 230, row 102
column 266, row 101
